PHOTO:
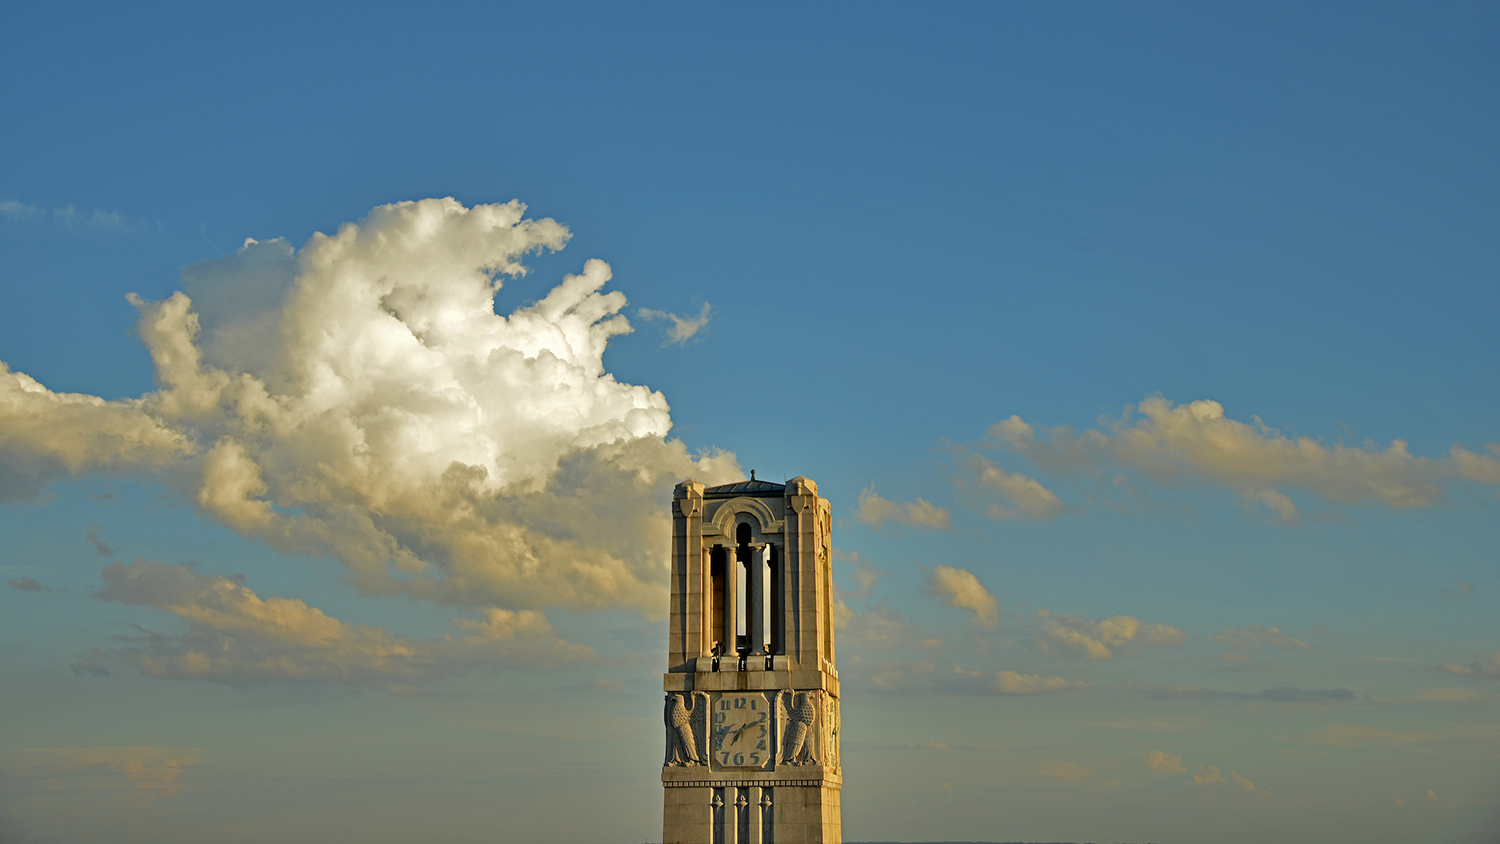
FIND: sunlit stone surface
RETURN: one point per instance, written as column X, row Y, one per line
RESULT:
column 752, row 695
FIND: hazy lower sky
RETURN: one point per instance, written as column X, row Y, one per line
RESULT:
column 1147, row 354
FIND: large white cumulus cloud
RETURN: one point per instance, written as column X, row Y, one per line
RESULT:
column 359, row 397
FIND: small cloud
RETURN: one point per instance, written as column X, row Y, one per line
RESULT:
column 1059, row 769
column 1011, row 683
column 151, row 772
column 1443, row 695
column 1349, row 735
column 1208, row 775
column 683, row 328
column 1176, row 724
column 862, row 570
column 876, row 628
column 67, row 217
column 91, row 665
column 1319, row 630
column 13, row 210
column 1293, row 694
column 1464, row 590
column 1486, row 665
column 1247, row 785
column 27, row 584
column 1105, row 639
column 928, row 676
column 1167, row 763
column 959, row 588
column 1253, row 636
column 1284, row 694
column 876, row 512
column 104, row 549
column 1026, row 497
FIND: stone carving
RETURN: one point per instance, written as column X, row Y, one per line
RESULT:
column 832, row 723
column 800, row 733
column 682, row 726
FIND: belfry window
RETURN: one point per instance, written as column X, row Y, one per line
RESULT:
column 747, row 584
column 719, row 571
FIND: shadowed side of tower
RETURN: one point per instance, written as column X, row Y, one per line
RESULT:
column 752, row 695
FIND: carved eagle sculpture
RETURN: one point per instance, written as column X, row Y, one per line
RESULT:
column 798, row 749
column 682, row 749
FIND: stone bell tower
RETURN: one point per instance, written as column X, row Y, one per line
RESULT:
column 752, row 708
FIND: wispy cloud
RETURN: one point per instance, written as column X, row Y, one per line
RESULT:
column 1252, row 636
column 148, row 772
column 1164, row 762
column 683, row 328
column 1025, row 497
column 1114, row 636
column 1485, row 665
column 877, row 512
column 1065, row 770
column 27, row 584
column 1280, row 694
column 1206, row 776
column 1462, row 591
column 16, row 212
column 237, row 637
column 950, row 678
column 1198, row 443
column 101, row 547
column 959, row 588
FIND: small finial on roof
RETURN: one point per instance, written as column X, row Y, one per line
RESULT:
column 752, row 474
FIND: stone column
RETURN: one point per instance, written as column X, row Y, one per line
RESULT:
column 757, row 835
column 755, row 634
column 729, row 637
column 685, row 609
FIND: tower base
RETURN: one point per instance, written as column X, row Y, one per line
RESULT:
column 759, row 810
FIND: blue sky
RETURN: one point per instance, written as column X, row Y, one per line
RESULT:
column 1230, row 273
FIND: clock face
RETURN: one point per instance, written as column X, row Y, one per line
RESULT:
column 741, row 730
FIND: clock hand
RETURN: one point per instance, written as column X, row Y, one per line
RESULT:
column 741, row 732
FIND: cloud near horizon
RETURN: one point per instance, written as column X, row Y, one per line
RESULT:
column 1485, row 665
column 149, row 773
column 235, row 636
column 360, row 398
column 1205, row 776
column 1197, row 442
column 1252, row 636
column 929, row 676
